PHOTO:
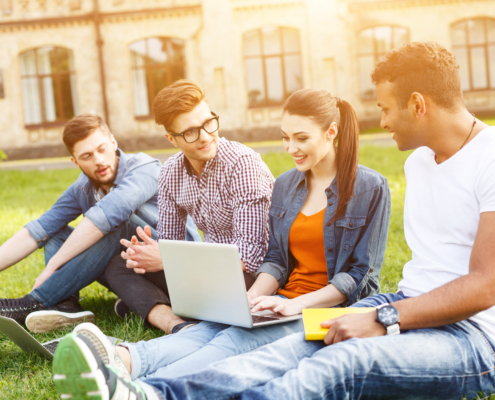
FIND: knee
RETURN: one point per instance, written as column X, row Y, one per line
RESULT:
column 116, row 265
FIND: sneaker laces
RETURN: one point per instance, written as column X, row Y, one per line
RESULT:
column 22, row 304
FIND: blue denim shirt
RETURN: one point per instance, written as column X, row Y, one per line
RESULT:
column 135, row 192
column 354, row 244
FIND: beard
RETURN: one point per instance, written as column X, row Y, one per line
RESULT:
column 107, row 179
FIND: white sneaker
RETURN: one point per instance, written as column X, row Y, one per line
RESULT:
column 106, row 350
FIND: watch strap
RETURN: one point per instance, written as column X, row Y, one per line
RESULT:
column 393, row 329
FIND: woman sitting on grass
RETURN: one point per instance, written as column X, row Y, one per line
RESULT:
column 328, row 231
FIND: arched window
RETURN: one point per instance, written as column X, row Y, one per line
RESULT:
column 473, row 43
column 48, row 85
column 156, row 62
column 272, row 59
column 373, row 43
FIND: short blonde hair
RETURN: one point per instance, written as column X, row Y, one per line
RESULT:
column 178, row 98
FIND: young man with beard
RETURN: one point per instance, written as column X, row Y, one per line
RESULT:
column 435, row 337
column 222, row 185
column 115, row 192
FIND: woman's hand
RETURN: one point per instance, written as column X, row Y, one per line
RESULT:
column 277, row 304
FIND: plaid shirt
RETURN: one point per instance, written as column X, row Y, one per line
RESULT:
column 229, row 202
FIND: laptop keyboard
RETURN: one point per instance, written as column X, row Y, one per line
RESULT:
column 51, row 346
column 261, row 318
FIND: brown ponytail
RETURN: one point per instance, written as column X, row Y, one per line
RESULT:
column 324, row 109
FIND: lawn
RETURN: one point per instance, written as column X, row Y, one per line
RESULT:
column 26, row 195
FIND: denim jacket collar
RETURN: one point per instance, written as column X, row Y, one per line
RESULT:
column 302, row 176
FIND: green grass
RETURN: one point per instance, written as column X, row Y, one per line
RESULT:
column 26, row 195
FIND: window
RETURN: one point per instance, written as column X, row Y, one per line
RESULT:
column 473, row 42
column 373, row 43
column 272, row 60
column 48, row 85
column 156, row 63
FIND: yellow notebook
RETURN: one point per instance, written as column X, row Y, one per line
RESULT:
column 312, row 318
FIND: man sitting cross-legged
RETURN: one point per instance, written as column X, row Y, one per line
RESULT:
column 432, row 339
column 224, row 186
column 116, row 193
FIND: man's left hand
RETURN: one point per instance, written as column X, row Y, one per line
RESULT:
column 352, row 326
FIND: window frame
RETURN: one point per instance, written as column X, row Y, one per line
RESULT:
column 376, row 53
column 266, row 103
column 467, row 46
column 56, row 76
column 149, row 67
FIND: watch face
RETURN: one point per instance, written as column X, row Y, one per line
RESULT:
column 388, row 315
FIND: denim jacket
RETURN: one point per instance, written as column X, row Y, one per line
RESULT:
column 354, row 244
column 135, row 192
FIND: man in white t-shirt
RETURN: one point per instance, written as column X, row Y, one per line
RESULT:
column 435, row 337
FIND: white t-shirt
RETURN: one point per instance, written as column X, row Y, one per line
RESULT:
column 441, row 216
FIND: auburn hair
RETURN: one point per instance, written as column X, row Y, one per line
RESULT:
column 424, row 67
column 323, row 109
column 178, row 98
column 80, row 127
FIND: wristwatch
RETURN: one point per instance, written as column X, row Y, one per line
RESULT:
column 388, row 316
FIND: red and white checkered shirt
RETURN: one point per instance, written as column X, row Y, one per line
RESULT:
column 229, row 202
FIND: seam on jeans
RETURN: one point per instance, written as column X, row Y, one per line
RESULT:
column 489, row 346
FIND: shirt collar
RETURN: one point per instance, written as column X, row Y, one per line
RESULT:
column 301, row 177
column 121, row 166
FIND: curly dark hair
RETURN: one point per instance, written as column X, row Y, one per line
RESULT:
column 424, row 67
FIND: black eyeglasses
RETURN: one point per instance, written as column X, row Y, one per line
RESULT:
column 192, row 134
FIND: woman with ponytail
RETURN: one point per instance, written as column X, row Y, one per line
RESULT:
column 329, row 216
column 328, row 231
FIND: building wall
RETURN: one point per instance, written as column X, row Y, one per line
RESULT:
column 213, row 33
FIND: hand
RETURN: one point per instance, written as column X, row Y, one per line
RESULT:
column 352, row 326
column 42, row 278
column 276, row 304
column 142, row 256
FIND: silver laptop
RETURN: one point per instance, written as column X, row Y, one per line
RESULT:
column 205, row 281
column 24, row 340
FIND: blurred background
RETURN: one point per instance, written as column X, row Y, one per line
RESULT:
column 60, row 58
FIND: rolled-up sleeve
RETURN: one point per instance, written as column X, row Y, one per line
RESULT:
column 251, row 189
column 138, row 185
column 66, row 209
column 369, row 252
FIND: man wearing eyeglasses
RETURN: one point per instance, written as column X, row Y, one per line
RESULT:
column 224, row 186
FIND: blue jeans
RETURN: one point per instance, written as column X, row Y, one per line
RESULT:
column 438, row 363
column 88, row 266
column 195, row 348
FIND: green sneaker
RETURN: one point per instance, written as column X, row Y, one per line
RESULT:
column 79, row 373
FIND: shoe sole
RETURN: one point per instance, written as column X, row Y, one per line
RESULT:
column 75, row 371
column 100, row 342
column 45, row 321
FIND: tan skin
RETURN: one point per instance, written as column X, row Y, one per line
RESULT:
column 313, row 152
column 424, row 123
column 145, row 256
column 96, row 157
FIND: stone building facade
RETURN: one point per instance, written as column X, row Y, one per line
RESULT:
column 60, row 58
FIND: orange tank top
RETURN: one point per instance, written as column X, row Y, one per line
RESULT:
column 307, row 246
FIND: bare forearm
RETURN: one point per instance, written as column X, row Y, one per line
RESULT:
column 82, row 238
column 265, row 285
column 328, row 296
column 450, row 303
column 16, row 248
